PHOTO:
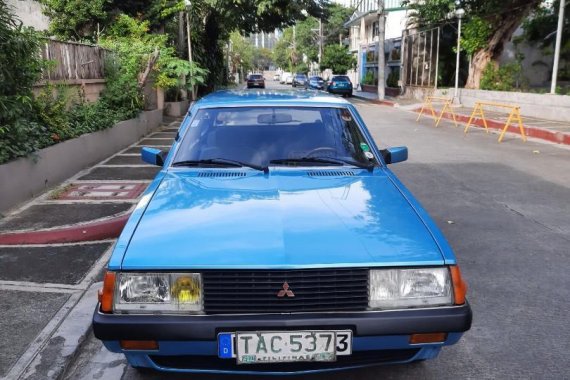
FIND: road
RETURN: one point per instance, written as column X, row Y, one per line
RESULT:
column 505, row 210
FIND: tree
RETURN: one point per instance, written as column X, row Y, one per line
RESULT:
column 334, row 22
column 241, row 54
column 489, row 24
column 338, row 59
column 262, row 58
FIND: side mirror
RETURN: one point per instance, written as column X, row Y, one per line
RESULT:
column 395, row 155
column 152, row 156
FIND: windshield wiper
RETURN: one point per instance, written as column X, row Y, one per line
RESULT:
column 220, row 162
column 322, row 160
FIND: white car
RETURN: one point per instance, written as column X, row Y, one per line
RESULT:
column 277, row 76
column 286, row 77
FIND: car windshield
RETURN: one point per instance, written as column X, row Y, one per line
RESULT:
column 301, row 76
column 255, row 77
column 265, row 136
column 341, row 78
column 316, row 79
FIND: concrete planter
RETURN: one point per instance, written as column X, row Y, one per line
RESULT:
column 369, row 88
column 26, row 177
column 176, row 108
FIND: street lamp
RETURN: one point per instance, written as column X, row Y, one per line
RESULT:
column 459, row 13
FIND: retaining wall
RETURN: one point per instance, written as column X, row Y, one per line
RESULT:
column 25, row 178
column 543, row 106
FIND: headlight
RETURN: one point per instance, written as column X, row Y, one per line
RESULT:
column 158, row 292
column 403, row 288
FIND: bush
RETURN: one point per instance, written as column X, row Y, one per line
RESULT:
column 504, row 78
column 369, row 79
column 393, row 79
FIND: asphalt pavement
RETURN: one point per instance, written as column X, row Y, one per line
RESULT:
column 505, row 208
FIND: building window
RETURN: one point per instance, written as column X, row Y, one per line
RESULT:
column 375, row 29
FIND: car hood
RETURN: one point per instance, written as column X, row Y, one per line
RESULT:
column 287, row 219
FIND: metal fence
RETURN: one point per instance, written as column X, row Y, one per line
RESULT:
column 421, row 56
column 73, row 61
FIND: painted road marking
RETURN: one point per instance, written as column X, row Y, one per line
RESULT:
column 107, row 190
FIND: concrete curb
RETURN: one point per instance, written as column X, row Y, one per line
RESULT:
column 375, row 101
column 538, row 133
column 54, row 358
column 100, row 230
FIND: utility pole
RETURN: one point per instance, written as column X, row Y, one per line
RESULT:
column 381, row 60
column 459, row 13
column 188, row 32
column 320, row 41
column 557, row 46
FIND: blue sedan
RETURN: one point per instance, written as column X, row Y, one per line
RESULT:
column 276, row 240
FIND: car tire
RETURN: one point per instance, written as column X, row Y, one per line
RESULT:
column 350, row 94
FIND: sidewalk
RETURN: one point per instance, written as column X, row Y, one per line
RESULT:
column 54, row 248
column 547, row 130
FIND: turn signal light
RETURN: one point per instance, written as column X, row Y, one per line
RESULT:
column 106, row 294
column 139, row 344
column 428, row 338
column 459, row 285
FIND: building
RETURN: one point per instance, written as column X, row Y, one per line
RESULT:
column 30, row 13
column 363, row 40
column 265, row 40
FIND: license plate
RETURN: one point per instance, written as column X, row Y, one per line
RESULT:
column 284, row 346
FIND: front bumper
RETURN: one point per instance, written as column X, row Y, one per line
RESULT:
column 189, row 343
column 340, row 90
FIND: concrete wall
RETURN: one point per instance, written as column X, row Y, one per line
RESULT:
column 179, row 108
column 544, row 106
column 91, row 88
column 30, row 13
column 25, row 178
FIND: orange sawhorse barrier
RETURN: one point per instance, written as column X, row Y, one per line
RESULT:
column 514, row 116
column 428, row 104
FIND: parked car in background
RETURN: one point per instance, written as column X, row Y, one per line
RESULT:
column 255, row 80
column 340, row 84
column 275, row 239
column 285, row 75
column 316, row 83
column 276, row 76
column 299, row 80
column 289, row 79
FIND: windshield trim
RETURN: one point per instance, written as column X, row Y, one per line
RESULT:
column 379, row 161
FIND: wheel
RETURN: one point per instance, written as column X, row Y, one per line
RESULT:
column 321, row 149
column 294, row 85
column 350, row 94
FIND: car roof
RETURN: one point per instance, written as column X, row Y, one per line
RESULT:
column 230, row 98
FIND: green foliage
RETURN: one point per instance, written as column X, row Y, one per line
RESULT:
column 338, row 59
column 475, row 35
column 369, row 79
column 393, row 78
column 20, row 66
column 76, row 19
column 304, row 41
column 241, row 53
column 336, row 16
column 504, row 78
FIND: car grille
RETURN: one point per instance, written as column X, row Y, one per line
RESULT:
column 314, row 290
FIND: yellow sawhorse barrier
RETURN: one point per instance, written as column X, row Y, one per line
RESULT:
column 514, row 116
column 428, row 103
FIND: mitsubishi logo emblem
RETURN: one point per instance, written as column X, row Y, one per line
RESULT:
column 285, row 291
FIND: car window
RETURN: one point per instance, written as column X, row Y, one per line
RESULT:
column 341, row 78
column 257, row 135
column 256, row 76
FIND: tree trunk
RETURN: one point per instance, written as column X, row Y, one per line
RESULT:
column 503, row 29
